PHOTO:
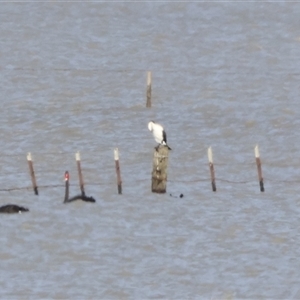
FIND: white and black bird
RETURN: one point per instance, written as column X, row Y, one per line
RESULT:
column 159, row 134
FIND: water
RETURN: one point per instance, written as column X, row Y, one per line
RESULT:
column 225, row 75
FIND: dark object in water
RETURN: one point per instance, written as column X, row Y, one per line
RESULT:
column 81, row 196
column 180, row 196
column 12, row 209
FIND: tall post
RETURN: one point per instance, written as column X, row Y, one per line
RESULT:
column 31, row 170
column 118, row 171
column 159, row 172
column 211, row 168
column 259, row 170
column 81, row 184
column 149, row 79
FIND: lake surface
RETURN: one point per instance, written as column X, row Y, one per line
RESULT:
column 225, row 75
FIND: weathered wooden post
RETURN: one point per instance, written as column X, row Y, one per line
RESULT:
column 149, row 77
column 259, row 170
column 211, row 168
column 31, row 170
column 118, row 171
column 81, row 183
column 159, row 172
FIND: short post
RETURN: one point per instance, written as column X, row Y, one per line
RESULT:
column 259, row 170
column 81, row 184
column 118, row 171
column 149, row 77
column 31, row 170
column 211, row 168
column 159, row 172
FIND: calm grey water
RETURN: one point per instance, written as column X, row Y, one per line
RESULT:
column 225, row 75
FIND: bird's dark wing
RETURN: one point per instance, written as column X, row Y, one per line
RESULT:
column 164, row 137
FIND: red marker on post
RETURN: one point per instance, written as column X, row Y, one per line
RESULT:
column 67, row 176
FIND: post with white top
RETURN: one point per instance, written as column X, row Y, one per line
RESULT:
column 159, row 172
column 259, row 170
column 149, row 78
column 211, row 168
column 31, row 170
column 118, row 171
column 81, row 183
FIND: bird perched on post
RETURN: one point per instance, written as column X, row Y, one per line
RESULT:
column 159, row 134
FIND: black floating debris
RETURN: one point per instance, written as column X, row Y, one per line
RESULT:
column 180, row 196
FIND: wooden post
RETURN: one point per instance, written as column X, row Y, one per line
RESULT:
column 81, row 184
column 259, row 170
column 118, row 171
column 149, row 75
column 159, row 172
column 211, row 168
column 31, row 170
